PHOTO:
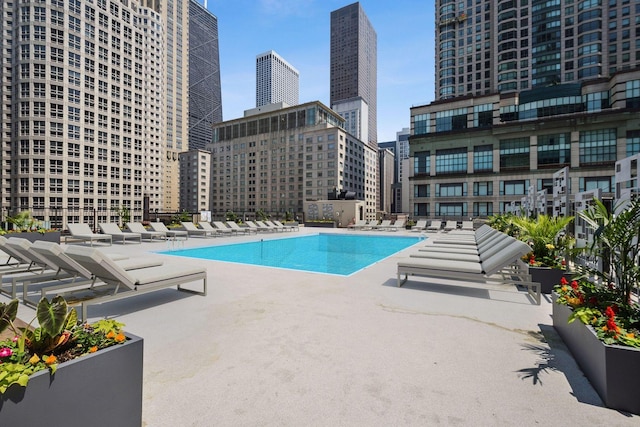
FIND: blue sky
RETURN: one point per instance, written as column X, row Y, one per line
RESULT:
column 298, row 30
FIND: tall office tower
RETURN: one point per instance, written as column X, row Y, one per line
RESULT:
column 276, row 80
column 175, row 25
column 509, row 46
column 354, row 62
column 386, row 166
column 205, row 101
column 81, row 109
column 195, row 180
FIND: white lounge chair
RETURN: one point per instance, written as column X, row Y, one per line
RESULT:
column 70, row 273
column 359, row 224
column 171, row 233
column 263, row 227
column 467, row 225
column 83, row 232
column 434, row 226
column 137, row 227
column 235, row 227
column 123, row 283
column 191, row 228
column 218, row 227
column 116, row 234
column 286, row 226
column 450, row 225
column 507, row 259
column 421, row 225
column 383, row 225
column 397, row 225
column 276, row 226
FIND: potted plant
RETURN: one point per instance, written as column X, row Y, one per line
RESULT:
column 549, row 243
column 605, row 341
column 64, row 364
column 25, row 226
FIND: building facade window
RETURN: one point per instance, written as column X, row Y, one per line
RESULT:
column 458, row 189
column 633, row 142
column 483, row 158
column 605, row 183
column 597, row 146
column 554, row 149
column 421, row 209
column 451, row 209
column 483, row 188
column 421, row 190
column 422, row 163
column 482, row 208
column 516, row 187
column 452, row 160
column 514, row 153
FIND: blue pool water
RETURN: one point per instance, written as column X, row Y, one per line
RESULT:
column 321, row 253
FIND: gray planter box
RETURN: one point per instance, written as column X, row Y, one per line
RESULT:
column 32, row 236
column 320, row 224
column 98, row 389
column 612, row 370
column 547, row 277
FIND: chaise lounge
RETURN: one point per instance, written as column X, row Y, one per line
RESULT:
column 503, row 266
column 114, row 231
column 121, row 283
column 83, row 233
column 137, row 227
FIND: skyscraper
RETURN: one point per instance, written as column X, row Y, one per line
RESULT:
column 175, row 87
column 508, row 46
column 354, row 62
column 276, row 80
column 81, row 109
column 205, row 100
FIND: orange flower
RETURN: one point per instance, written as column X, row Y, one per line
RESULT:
column 34, row 359
column 120, row 337
column 111, row 335
column 93, row 349
column 631, row 335
column 50, row 360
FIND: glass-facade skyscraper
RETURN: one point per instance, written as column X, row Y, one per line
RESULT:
column 205, row 99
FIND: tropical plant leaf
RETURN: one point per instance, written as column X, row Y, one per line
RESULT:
column 8, row 313
column 52, row 316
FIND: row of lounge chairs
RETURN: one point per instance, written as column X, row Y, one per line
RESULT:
column 437, row 225
column 219, row 228
column 384, row 225
column 137, row 232
column 87, row 276
column 480, row 256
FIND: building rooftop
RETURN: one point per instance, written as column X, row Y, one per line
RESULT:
column 274, row 347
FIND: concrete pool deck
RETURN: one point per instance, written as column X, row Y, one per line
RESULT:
column 274, row 347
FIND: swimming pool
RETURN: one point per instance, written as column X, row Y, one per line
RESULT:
column 321, row 253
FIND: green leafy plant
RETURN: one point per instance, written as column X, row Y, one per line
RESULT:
column 613, row 321
column 261, row 215
column 547, row 237
column 183, row 216
column 59, row 337
column 23, row 222
column 231, row 216
column 607, row 298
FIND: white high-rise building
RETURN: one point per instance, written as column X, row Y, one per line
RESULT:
column 82, row 110
column 276, row 80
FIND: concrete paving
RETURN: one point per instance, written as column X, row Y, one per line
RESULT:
column 274, row 347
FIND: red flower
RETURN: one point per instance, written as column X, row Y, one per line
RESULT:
column 609, row 312
column 564, row 281
column 574, row 284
